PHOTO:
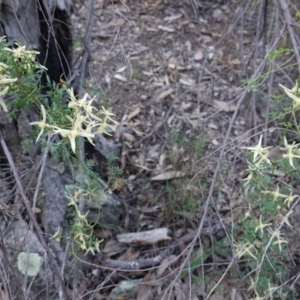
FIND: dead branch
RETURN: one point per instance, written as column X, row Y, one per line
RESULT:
column 148, row 237
column 140, row 264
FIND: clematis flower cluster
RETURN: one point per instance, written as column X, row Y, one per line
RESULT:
column 84, row 122
column 25, row 57
column 20, row 53
column 82, row 234
column 260, row 154
column 5, row 80
column 293, row 94
column 292, row 151
column 246, row 248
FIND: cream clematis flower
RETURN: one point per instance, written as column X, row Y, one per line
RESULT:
column 261, row 226
column 291, row 149
column 4, row 79
column 73, row 102
column 260, row 153
column 42, row 124
column 20, row 52
column 2, row 104
column 292, row 93
column 75, row 132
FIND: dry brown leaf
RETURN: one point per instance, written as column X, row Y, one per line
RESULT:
column 197, row 116
column 198, row 55
column 215, row 142
column 158, row 124
column 128, row 137
column 3, row 295
column 162, row 159
column 229, row 63
column 37, row 210
column 170, row 120
column 222, row 105
column 168, row 175
column 122, row 69
column 148, row 73
column 144, row 291
column 236, row 61
column 165, row 264
column 172, row 62
column 120, row 77
column 129, row 255
column 141, row 159
column 149, row 210
column 194, row 123
column 164, row 94
column 155, row 4
column 212, row 125
column 137, row 132
column 188, row 82
column 133, row 113
column 186, row 105
column 112, row 248
column 116, row 22
column 153, row 151
column 172, row 18
column 165, row 28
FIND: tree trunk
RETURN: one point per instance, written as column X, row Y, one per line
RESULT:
column 46, row 26
column 43, row 24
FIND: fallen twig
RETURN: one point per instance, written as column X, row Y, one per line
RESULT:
column 140, row 264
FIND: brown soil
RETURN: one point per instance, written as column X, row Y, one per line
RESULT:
column 173, row 72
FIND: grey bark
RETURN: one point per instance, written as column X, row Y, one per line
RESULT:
column 38, row 24
column 19, row 22
column 45, row 25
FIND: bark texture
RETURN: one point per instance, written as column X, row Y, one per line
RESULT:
column 46, row 26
